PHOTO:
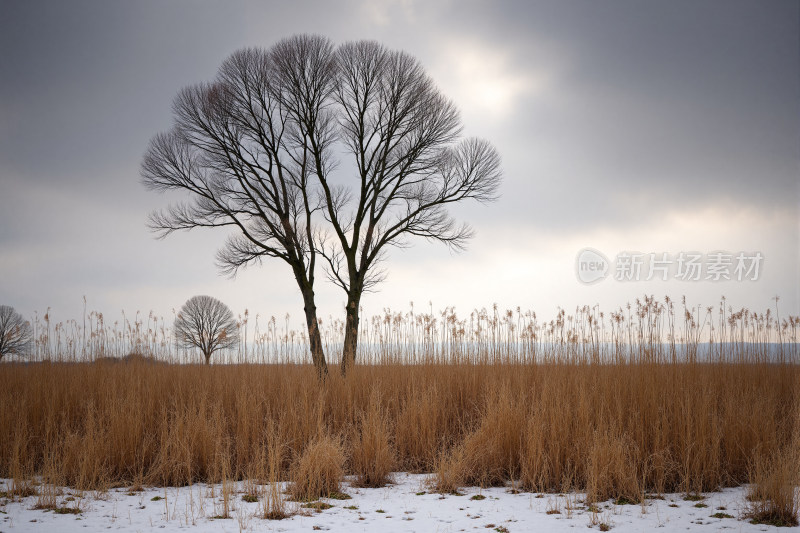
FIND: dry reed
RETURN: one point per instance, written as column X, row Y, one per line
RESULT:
column 372, row 457
column 618, row 413
column 614, row 430
column 649, row 330
column 319, row 470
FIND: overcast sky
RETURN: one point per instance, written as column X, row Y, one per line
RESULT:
column 624, row 126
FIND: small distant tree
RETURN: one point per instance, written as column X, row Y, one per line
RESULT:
column 15, row 332
column 207, row 324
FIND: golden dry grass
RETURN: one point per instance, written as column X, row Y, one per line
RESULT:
column 372, row 456
column 319, row 470
column 613, row 430
column 774, row 495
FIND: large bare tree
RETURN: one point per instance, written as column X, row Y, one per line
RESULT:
column 207, row 324
column 259, row 148
column 15, row 332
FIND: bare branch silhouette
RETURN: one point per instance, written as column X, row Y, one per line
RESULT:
column 207, row 324
column 258, row 149
column 16, row 335
column 240, row 146
column 403, row 134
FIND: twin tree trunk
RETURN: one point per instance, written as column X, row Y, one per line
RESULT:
column 315, row 338
column 351, row 324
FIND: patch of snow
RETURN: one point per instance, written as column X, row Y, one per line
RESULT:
column 406, row 505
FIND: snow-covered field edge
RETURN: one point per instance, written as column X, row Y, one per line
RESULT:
column 405, row 505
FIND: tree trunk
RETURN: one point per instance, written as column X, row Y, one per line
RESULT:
column 350, row 332
column 208, row 357
column 314, row 336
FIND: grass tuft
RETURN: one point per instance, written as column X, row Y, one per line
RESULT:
column 319, row 470
column 372, row 456
column 773, row 498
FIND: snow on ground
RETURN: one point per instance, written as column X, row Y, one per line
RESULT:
column 406, row 505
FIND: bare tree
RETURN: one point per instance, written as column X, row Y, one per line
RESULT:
column 15, row 332
column 207, row 324
column 410, row 165
column 245, row 146
column 258, row 151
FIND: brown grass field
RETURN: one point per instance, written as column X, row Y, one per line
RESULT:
column 622, row 429
column 614, row 431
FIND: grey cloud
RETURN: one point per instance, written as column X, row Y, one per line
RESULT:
column 665, row 103
column 650, row 107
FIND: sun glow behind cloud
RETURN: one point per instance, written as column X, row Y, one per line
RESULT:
column 483, row 79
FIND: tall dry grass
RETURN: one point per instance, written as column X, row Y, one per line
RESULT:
column 654, row 397
column 614, row 430
column 773, row 496
column 372, row 457
column 319, row 469
column 649, row 330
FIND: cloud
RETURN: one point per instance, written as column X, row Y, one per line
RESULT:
column 386, row 12
column 622, row 125
column 483, row 79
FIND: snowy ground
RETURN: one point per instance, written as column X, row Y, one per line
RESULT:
column 407, row 505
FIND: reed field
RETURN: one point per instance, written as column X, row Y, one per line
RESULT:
column 652, row 398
